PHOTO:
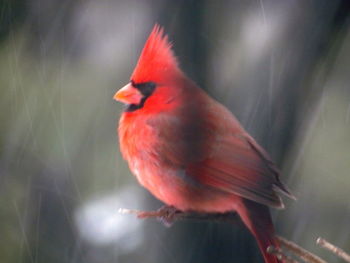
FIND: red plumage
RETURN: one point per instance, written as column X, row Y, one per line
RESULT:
column 189, row 151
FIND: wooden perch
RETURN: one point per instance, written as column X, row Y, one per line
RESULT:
column 334, row 249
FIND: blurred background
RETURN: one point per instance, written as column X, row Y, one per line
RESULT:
column 281, row 66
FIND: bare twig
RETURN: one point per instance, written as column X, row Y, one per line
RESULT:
column 280, row 255
column 334, row 249
column 299, row 251
column 168, row 215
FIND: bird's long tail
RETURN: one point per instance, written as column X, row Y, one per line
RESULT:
column 257, row 218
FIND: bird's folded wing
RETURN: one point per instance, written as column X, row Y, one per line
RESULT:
column 237, row 166
column 218, row 154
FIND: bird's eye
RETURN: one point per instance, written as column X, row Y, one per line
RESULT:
column 145, row 88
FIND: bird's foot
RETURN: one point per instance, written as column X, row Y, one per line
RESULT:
column 167, row 215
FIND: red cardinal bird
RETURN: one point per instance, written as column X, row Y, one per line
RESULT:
column 189, row 151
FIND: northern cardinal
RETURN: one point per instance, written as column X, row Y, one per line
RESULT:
column 189, row 151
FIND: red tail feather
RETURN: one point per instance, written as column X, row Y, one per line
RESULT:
column 257, row 219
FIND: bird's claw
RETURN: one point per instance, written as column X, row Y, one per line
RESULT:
column 167, row 215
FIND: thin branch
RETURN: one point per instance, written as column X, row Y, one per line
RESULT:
column 280, row 255
column 334, row 249
column 169, row 214
column 299, row 251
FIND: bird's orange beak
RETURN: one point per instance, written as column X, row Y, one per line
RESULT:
column 128, row 95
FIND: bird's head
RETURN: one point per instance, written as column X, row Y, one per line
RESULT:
column 155, row 76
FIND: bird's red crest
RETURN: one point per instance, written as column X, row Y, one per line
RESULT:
column 156, row 59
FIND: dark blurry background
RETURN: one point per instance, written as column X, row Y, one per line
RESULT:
column 281, row 66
